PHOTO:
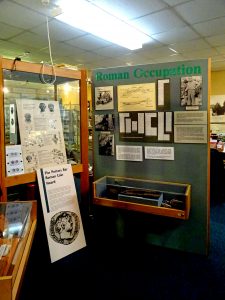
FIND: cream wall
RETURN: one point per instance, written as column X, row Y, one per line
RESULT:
column 218, row 83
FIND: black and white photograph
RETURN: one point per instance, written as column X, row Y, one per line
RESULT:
column 217, row 109
column 191, row 91
column 106, row 143
column 64, row 227
column 104, row 98
column 104, row 122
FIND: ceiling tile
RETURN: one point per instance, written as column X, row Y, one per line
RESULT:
column 201, row 10
column 157, row 52
column 217, row 40
column 62, row 49
column 174, row 2
column 108, row 63
column 8, row 31
column 88, row 42
column 133, row 59
column 112, row 51
column 213, row 27
column 195, row 44
column 169, row 58
column 19, row 16
column 58, row 31
column 130, row 9
column 221, row 49
column 204, row 53
column 218, row 58
column 37, row 6
column 159, row 22
column 28, row 38
column 176, row 35
column 88, row 56
column 14, row 48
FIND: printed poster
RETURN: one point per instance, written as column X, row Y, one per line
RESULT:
column 133, row 96
column 14, row 160
column 61, row 211
column 217, row 109
column 104, row 98
column 41, row 134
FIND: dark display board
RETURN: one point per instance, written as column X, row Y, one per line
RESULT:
column 169, row 115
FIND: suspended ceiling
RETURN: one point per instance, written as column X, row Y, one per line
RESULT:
column 194, row 29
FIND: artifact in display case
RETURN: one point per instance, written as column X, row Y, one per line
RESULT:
column 70, row 115
column 154, row 197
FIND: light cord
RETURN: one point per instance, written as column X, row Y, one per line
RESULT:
column 52, row 65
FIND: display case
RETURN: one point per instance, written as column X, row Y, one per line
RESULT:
column 23, row 81
column 17, row 229
column 153, row 197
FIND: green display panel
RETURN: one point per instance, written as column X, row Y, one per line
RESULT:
column 153, row 107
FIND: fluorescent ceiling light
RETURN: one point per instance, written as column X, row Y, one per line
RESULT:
column 173, row 50
column 88, row 17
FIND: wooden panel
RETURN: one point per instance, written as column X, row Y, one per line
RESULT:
column 37, row 68
column 161, row 211
column 6, row 288
column 84, row 137
column 2, row 133
column 32, row 177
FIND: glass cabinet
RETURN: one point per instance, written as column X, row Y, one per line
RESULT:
column 51, row 114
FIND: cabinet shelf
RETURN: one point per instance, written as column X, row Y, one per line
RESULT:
column 32, row 177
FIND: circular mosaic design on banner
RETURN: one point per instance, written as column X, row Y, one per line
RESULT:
column 64, row 227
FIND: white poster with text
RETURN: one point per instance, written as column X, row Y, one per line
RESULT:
column 61, row 211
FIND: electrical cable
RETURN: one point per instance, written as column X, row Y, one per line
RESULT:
column 53, row 76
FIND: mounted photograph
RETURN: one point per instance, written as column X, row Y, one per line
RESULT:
column 104, row 98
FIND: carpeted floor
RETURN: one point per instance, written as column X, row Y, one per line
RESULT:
column 115, row 269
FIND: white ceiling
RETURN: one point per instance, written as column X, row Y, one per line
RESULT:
column 194, row 28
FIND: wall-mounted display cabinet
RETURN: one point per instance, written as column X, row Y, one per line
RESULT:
column 22, row 80
column 153, row 197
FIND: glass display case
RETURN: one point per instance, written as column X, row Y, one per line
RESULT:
column 148, row 196
column 17, row 229
column 45, row 137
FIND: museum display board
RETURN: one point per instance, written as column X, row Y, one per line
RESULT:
column 151, row 124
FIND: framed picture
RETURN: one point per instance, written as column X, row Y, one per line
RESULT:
column 217, row 109
column 104, row 122
column 191, row 91
column 106, row 143
column 104, row 98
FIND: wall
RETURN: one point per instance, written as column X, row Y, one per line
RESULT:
column 218, row 83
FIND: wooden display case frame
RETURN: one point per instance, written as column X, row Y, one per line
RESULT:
column 10, row 285
column 140, row 207
column 82, row 168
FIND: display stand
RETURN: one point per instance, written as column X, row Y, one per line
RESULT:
column 26, row 69
column 161, row 134
column 10, row 284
